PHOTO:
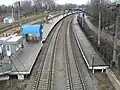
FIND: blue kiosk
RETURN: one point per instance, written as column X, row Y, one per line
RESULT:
column 32, row 30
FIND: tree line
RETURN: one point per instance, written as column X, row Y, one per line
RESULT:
column 106, row 8
column 32, row 6
column 27, row 6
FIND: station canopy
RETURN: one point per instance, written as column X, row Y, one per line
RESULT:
column 32, row 29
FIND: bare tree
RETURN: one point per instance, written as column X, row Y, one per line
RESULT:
column 44, row 4
column 26, row 7
column 97, row 6
column 37, row 4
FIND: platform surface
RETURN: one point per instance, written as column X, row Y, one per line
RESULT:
column 28, row 55
column 47, row 27
column 23, row 61
column 87, row 48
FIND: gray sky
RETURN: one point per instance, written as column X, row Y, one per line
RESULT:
column 71, row 1
column 8, row 2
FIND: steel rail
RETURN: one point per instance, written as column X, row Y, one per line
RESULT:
column 81, row 76
column 38, row 76
column 24, row 22
column 68, row 63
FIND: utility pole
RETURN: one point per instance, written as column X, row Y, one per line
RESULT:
column 108, row 19
column 115, row 37
column 19, row 15
column 99, row 30
column 115, row 42
column 13, row 16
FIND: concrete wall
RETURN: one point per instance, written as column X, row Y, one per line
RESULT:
column 113, row 79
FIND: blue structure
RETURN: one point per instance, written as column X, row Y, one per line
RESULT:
column 41, row 27
column 33, row 29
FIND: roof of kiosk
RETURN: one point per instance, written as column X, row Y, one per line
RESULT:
column 31, row 29
column 14, row 39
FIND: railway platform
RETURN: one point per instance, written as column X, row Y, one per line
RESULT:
column 112, row 75
column 24, row 60
column 29, row 54
column 92, row 59
column 47, row 27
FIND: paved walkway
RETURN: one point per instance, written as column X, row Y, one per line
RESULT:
column 104, row 35
column 25, row 59
column 29, row 55
column 47, row 27
column 87, row 49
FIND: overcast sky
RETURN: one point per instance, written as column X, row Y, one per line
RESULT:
column 8, row 2
column 79, row 2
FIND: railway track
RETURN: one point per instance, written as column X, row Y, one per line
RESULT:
column 78, row 59
column 36, row 21
column 72, row 64
column 3, row 29
column 37, row 70
column 57, row 69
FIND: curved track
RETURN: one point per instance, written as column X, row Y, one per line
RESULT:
column 57, row 69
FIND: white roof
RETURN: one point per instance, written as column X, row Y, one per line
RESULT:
column 4, row 38
column 14, row 39
column 8, row 17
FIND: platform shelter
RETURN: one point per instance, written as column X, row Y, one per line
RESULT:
column 32, row 32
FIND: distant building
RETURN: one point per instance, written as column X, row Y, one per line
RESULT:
column 8, row 20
